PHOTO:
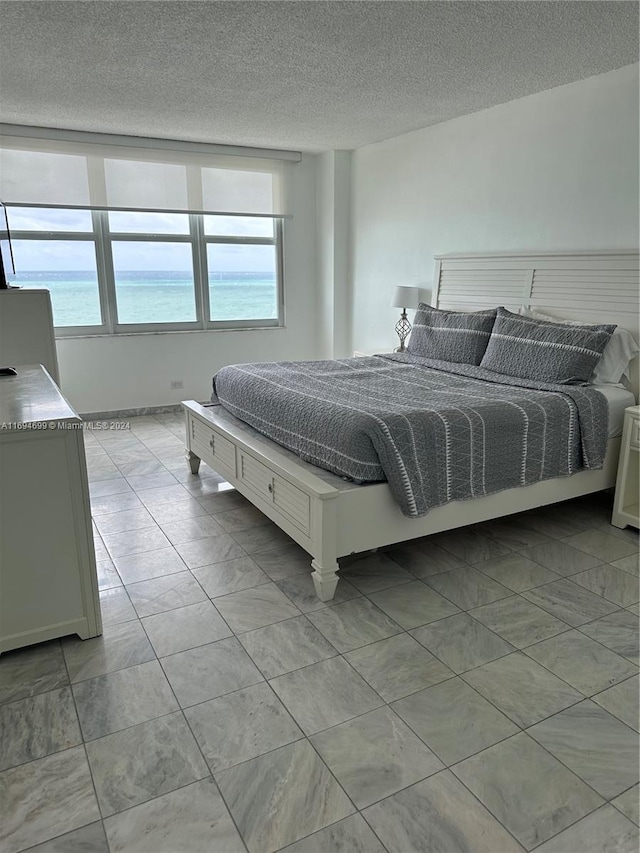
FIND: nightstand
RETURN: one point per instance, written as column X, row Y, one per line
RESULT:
column 625, row 504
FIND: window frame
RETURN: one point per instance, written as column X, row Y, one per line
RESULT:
column 102, row 238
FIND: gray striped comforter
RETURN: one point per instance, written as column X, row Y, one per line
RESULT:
column 437, row 431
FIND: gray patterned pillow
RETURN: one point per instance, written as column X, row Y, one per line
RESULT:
column 547, row 351
column 458, row 336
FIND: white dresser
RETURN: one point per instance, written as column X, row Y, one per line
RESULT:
column 48, row 582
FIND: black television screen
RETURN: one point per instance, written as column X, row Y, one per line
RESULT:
column 7, row 266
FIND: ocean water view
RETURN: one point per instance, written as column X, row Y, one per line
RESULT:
column 155, row 297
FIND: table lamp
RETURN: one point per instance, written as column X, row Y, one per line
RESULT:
column 404, row 297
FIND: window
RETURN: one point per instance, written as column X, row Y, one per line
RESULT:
column 122, row 271
column 242, row 264
column 56, row 250
column 136, row 235
column 242, row 281
column 154, row 282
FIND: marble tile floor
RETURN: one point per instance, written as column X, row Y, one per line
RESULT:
column 472, row 692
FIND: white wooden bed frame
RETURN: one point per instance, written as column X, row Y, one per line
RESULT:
column 331, row 517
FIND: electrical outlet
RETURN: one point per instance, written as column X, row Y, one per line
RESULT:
column 177, row 383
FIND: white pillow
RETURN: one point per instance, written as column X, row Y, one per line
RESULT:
column 618, row 353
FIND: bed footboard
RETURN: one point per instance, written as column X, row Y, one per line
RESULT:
column 301, row 504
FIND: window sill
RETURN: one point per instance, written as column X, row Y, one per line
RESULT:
column 109, row 335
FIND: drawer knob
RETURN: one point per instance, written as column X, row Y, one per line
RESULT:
column 211, row 442
column 270, row 487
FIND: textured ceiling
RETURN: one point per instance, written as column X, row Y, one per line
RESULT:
column 303, row 75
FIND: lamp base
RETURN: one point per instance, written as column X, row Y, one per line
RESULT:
column 403, row 327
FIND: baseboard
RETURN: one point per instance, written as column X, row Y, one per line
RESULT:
column 130, row 413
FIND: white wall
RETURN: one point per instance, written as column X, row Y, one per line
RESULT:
column 553, row 171
column 131, row 371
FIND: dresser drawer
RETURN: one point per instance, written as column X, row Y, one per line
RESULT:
column 217, row 451
column 291, row 501
column 635, row 433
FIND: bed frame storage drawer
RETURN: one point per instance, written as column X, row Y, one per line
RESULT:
column 213, row 448
column 290, row 500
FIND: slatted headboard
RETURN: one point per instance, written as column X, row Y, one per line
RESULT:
column 597, row 287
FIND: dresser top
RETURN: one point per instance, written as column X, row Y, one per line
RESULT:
column 32, row 396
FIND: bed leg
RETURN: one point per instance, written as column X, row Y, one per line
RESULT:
column 193, row 460
column 325, row 580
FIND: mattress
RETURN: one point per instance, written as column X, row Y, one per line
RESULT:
column 618, row 399
column 436, row 431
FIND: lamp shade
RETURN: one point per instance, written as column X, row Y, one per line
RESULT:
column 406, row 297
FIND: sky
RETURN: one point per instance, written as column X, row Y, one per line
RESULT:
column 78, row 255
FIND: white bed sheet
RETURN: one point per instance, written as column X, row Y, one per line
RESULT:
column 619, row 399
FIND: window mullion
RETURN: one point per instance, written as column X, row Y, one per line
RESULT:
column 106, row 278
column 70, row 236
column 200, row 268
column 279, row 229
column 241, row 241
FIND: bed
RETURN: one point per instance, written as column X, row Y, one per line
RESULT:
column 331, row 517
